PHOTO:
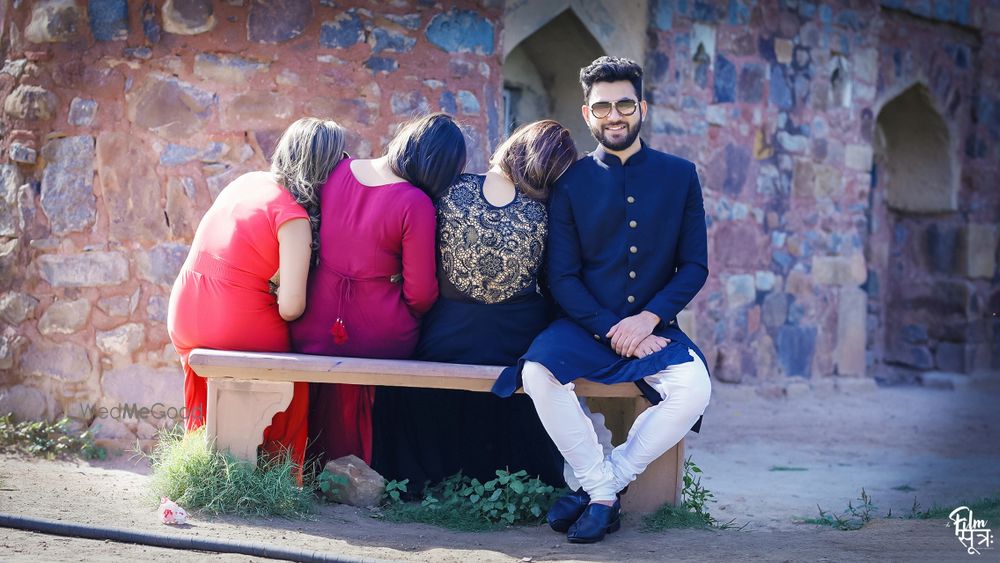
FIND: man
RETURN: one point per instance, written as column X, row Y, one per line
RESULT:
column 627, row 251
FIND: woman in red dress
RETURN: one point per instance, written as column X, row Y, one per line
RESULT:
column 261, row 224
column 376, row 272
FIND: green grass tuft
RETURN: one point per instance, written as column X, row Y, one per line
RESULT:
column 191, row 473
column 669, row 516
column 987, row 508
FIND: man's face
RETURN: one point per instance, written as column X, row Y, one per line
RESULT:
column 616, row 132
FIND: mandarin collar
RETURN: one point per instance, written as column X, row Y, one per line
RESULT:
column 600, row 153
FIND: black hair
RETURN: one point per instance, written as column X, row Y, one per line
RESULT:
column 428, row 152
column 611, row 69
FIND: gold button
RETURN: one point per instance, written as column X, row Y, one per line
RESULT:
column 597, row 337
column 633, row 224
column 630, row 199
column 632, row 274
column 631, row 298
column 633, row 249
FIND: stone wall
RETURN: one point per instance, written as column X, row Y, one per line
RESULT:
column 847, row 240
column 821, row 265
column 123, row 120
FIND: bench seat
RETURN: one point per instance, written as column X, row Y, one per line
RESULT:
column 246, row 389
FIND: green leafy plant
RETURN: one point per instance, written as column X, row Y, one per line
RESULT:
column 188, row 470
column 48, row 440
column 692, row 512
column 331, row 484
column 394, row 489
column 463, row 503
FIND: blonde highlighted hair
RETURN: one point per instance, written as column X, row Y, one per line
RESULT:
column 305, row 155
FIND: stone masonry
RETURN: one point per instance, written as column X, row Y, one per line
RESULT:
column 848, row 151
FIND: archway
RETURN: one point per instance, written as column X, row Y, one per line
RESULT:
column 541, row 76
column 917, row 295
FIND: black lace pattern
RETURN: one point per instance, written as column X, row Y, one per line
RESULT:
column 490, row 253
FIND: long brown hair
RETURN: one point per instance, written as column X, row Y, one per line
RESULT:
column 535, row 155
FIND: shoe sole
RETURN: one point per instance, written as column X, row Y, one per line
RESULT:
column 614, row 527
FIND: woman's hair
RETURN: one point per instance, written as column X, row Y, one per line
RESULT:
column 428, row 152
column 302, row 160
column 535, row 155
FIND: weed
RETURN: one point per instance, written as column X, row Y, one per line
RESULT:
column 48, row 440
column 853, row 518
column 693, row 511
column 192, row 473
column 786, row 468
column 465, row 504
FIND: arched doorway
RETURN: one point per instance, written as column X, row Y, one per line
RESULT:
column 918, row 297
column 541, row 76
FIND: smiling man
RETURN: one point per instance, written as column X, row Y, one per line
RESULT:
column 627, row 251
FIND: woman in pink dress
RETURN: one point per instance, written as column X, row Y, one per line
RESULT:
column 261, row 224
column 376, row 272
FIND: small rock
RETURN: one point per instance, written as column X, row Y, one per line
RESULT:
column 30, row 103
column 16, row 307
column 23, row 153
column 25, row 403
column 122, row 341
column 64, row 317
column 365, row 486
column 53, row 21
column 81, row 112
column 188, row 17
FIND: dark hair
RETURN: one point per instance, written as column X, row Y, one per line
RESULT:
column 428, row 152
column 303, row 158
column 535, row 155
column 611, row 69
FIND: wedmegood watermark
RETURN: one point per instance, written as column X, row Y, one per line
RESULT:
column 122, row 411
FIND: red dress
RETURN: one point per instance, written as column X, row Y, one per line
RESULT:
column 220, row 298
column 368, row 236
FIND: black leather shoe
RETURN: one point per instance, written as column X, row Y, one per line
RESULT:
column 596, row 521
column 566, row 510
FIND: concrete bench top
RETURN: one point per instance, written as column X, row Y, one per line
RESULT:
column 271, row 366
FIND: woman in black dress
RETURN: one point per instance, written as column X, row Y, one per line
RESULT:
column 491, row 243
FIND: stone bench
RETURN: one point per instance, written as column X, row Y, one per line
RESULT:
column 246, row 389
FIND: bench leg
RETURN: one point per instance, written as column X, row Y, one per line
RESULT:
column 662, row 481
column 238, row 412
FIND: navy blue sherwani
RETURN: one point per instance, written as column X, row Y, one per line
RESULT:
column 622, row 239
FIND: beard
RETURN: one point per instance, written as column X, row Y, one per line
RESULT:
column 600, row 134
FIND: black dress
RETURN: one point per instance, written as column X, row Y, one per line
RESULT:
column 489, row 313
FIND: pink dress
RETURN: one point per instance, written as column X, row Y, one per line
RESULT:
column 376, row 274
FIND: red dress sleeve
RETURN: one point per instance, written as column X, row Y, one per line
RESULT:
column 284, row 208
column 420, row 287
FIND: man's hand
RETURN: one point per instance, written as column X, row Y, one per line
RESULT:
column 630, row 331
column 650, row 345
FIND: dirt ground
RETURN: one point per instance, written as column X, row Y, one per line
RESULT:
column 944, row 444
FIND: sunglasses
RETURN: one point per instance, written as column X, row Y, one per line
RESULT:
column 600, row 110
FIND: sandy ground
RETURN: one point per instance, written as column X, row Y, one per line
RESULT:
column 945, row 444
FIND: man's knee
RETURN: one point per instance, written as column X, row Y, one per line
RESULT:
column 536, row 379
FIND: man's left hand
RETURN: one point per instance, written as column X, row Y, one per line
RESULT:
column 630, row 331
